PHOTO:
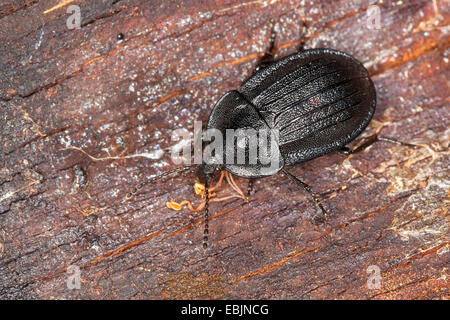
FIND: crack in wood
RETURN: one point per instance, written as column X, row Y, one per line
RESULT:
column 121, row 249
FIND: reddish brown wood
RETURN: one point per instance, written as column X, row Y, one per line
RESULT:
column 81, row 88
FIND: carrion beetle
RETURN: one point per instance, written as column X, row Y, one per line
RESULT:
column 317, row 100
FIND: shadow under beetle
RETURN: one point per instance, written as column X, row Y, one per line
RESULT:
column 318, row 100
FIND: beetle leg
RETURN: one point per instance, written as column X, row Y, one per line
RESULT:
column 235, row 187
column 219, row 183
column 307, row 189
column 364, row 145
column 401, row 143
column 249, row 188
column 371, row 140
column 269, row 55
column 301, row 45
column 208, row 196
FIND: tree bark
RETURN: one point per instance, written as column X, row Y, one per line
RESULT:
column 83, row 112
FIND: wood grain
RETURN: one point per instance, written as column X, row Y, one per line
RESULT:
column 82, row 98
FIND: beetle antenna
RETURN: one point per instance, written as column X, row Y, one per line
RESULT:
column 206, row 229
column 156, row 178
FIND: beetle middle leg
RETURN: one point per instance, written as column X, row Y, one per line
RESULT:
column 371, row 140
column 307, row 188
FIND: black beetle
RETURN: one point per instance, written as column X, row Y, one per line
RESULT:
column 318, row 100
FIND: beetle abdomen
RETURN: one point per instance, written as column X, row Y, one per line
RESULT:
column 318, row 99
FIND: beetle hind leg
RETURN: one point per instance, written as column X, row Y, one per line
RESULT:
column 371, row 140
column 307, row 188
column 269, row 55
column 206, row 191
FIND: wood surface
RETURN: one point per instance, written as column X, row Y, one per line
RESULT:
column 82, row 114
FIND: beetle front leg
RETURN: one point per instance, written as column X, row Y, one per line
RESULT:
column 371, row 140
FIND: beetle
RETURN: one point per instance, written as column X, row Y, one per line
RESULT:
column 318, row 101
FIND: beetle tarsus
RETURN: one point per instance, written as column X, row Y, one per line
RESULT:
column 401, row 143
